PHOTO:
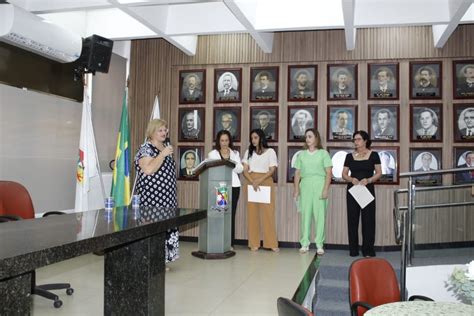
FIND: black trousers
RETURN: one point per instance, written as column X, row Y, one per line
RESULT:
column 368, row 226
column 235, row 200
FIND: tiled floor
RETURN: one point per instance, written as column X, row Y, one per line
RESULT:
column 247, row 284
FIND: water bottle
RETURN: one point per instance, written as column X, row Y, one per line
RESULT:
column 109, row 203
column 135, row 201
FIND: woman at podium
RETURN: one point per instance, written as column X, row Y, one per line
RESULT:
column 260, row 162
column 225, row 150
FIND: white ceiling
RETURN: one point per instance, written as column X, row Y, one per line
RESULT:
column 180, row 22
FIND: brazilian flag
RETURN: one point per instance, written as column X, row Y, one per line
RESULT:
column 121, row 179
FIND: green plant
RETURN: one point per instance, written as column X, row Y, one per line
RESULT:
column 462, row 282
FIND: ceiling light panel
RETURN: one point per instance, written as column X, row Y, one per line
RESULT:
column 57, row 5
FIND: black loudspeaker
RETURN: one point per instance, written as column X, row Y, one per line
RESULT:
column 96, row 53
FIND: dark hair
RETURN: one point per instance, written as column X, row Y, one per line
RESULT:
column 319, row 144
column 364, row 136
column 262, row 142
column 218, row 138
column 429, row 70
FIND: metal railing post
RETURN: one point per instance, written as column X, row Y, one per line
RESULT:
column 410, row 219
column 403, row 264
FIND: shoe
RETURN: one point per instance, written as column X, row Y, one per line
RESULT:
column 254, row 248
column 276, row 249
column 231, row 248
column 320, row 251
column 167, row 268
column 304, row 249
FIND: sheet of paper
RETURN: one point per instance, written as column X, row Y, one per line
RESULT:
column 261, row 196
column 361, row 194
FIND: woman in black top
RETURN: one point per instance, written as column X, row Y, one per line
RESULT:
column 365, row 168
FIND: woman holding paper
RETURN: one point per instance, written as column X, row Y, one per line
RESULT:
column 312, row 180
column 224, row 150
column 260, row 162
column 365, row 168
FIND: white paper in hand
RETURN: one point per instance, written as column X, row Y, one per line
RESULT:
column 361, row 194
column 261, row 196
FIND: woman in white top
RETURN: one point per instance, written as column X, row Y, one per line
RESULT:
column 260, row 162
column 224, row 150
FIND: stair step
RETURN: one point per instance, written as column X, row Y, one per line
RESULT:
column 337, row 290
column 332, row 308
column 334, row 272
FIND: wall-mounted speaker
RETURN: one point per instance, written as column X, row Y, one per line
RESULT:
column 96, row 53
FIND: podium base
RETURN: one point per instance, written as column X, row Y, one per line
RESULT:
column 205, row 255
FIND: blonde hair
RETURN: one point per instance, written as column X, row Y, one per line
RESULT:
column 153, row 126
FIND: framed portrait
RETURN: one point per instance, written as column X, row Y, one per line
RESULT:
column 426, row 122
column 383, row 81
column 192, row 123
column 275, row 174
column 384, row 123
column 463, row 157
column 426, row 80
column 293, row 152
column 189, row 158
column 192, row 86
column 342, row 122
column 227, row 87
column 338, row 156
column 342, row 82
column 302, row 83
column 264, row 84
column 463, row 122
column 463, row 79
column 389, row 159
column 227, row 118
column 426, row 159
column 300, row 118
column 265, row 118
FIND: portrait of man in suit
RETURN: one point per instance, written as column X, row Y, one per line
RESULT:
column 383, row 83
column 464, row 80
column 343, row 84
column 384, row 123
column 466, row 124
column 191, row 121
column 426, row 161
column 266, row 120
column 301, row 120
column 302, row 84
column 465, row 160
column 388, row 164
column 425, row 80
column 227, row 119
column 189, row 158
column 426, row 123
column 342, row 122
column 264, row 86
column 228, row 86
column 338, row 156
column 192, row 87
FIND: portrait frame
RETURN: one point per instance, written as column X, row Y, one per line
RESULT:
column 461, row 89
column 390, row 172
column 200, row 125
column 273, row 115
column 297, row 95
column 345, row 135
column 333, row 72
column 275, row 174
column 291, row 159
column 392, row 132
column 234, row 95
column 434, row 88
column 235, row 127
column 459, row 123
column 338, row 156
column 182, row 151
column 392, row 88
column 294, row 132
column 267, row 95
column 416, row 129
column 436, row 164
column 184, row 76
column 459, row 161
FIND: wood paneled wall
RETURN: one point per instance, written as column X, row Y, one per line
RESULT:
column 155, row 65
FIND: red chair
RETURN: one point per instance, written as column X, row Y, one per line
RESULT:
column 287, row 307
column 373, row 282
column 16, row 204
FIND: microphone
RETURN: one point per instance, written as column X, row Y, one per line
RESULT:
column 167, row 143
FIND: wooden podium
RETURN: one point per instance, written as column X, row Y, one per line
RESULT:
column 215, row 179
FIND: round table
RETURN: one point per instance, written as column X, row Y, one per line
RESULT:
column 422, row 308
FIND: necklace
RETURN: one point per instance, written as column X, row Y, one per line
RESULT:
column 362, row 154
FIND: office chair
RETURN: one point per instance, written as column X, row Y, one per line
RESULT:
column 373, row 282
column 16, row 204
column 287, row 307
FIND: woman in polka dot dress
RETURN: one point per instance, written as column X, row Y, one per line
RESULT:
column 156, row 183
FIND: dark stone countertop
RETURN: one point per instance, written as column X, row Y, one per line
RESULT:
column 29, row 244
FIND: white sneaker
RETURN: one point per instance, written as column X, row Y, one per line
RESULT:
column 320, row 251
column 304, row 249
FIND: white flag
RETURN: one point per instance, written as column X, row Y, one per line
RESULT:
column 155, row 114
column 87, row 162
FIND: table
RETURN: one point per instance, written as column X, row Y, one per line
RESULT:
column 134, row 261
column 422, row 308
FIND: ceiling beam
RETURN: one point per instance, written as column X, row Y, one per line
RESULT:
column 442, row 32
column 264, row 39
column 348, row 12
